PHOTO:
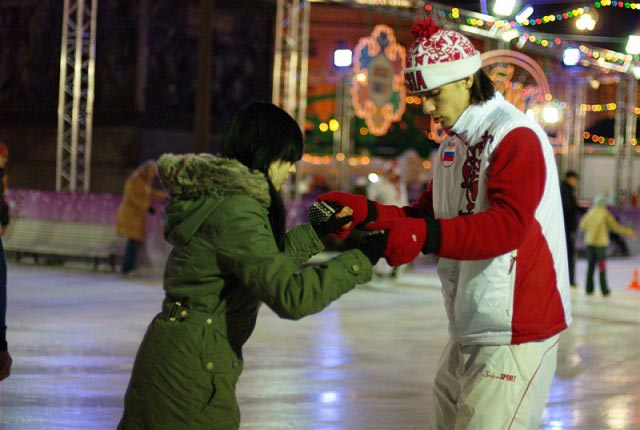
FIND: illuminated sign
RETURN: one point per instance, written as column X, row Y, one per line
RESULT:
column 378, row 92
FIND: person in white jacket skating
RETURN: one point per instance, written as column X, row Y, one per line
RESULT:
column 492, row 214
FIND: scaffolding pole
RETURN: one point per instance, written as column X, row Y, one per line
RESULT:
column 624, row 133
column 291, row 61
column 76, row 95
column 631, row 129
column 573, row 131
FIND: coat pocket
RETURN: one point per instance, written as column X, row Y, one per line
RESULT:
column 179, row 387
column 223, row 368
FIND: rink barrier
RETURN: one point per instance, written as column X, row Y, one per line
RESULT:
column 54, row 227
column 62, row 239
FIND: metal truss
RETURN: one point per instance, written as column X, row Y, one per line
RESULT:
column 291, row 61
column 624, row 133
column 76, row 95
column 574, row 123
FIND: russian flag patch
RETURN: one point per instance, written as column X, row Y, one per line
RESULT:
column 448, row 157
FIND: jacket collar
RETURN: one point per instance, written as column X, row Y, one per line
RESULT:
column 467, row 125
column 191, row 176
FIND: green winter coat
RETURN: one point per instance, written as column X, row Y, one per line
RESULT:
column 224, row 264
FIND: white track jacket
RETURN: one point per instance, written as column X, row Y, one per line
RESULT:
column 503, row 263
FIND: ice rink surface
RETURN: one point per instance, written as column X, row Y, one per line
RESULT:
column 365, row 363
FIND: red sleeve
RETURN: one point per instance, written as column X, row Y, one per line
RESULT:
column 515, row 185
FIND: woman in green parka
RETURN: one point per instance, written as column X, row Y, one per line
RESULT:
column 226, row 222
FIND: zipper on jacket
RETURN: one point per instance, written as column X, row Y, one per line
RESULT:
column 514, row 256
column 454, row 279
column 512, row 282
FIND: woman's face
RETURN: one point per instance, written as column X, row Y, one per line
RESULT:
column 279, row 171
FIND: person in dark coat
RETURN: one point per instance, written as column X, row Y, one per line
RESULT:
column 231, row 253
column 5, row 357
column 4, row 207
column 571, row 210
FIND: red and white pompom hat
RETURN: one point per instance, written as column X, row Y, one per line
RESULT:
column 438, row 57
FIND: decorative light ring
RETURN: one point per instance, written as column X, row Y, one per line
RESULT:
column 378, row 93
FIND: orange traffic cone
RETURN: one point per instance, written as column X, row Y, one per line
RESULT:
column 634, row 285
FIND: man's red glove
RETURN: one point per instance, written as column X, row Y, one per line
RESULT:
column 358, row 203
column 406, row 238
column 364, row 210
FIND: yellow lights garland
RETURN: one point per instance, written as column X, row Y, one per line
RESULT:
column 609, row 56
column 555, row 17
column 618, row 4
column 606, row 107
column 318, row 160
column 608, row 140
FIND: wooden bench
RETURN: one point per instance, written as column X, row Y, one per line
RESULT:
column 64, row 239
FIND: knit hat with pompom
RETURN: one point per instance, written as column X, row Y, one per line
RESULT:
column 438, row 57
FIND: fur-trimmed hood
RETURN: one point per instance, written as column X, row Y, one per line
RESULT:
column 197, row 182
column 191, row 176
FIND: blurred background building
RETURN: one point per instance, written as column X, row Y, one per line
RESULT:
column 163, row 69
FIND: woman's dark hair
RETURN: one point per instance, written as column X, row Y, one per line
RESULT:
column 260, row 134
column 482, row 88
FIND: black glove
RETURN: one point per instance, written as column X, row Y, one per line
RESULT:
column 151, row 210
column 323, row 218
column 373, row 245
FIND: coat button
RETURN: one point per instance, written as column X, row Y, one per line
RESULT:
column 209, row 366
column 209, row 320
column 355, row 267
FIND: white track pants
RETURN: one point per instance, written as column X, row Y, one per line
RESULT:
column 493, row 387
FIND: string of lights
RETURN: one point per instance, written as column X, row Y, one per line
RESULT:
column 570, row 14
column 602, row 140
column 596, row 107
column 513, row 29
column 618, row 4
column 606, row 107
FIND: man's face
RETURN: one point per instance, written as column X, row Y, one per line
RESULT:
column 445, row 104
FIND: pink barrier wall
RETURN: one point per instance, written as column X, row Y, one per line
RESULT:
column 103, row 208
column 93, row 208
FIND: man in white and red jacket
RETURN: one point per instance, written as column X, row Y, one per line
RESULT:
column 493, row 214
